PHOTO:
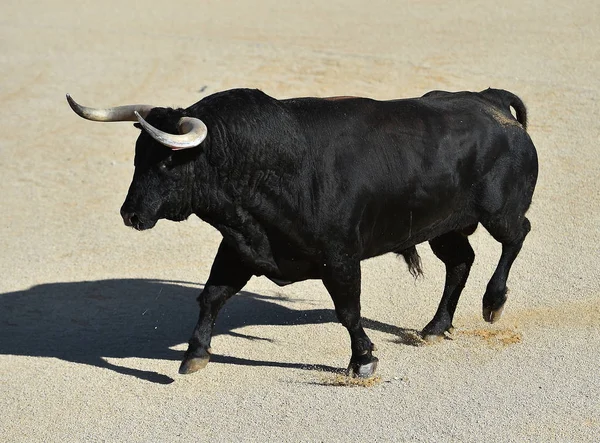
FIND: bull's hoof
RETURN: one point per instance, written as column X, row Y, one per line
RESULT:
column 493, row 315
column 433, row 338
column 435, row 332
column 364, row 368
column 193, row 364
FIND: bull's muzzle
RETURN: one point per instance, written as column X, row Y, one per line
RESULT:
column 129, row 218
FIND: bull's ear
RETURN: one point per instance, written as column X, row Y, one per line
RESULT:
column 137, row 125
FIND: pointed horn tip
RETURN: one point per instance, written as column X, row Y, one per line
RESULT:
column 73, row 104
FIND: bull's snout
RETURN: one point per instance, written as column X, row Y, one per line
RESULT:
column 135, row 221
column 129, row 218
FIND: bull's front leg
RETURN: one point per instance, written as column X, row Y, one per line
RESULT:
column 227, row 277
column 341, row 277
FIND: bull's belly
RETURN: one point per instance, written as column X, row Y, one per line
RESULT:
column 297, row 267
column 293, row 270
column 289, row 263
column 387, row 236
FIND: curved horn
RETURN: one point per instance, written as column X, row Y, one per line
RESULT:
column 116, row 114
column 192, row 132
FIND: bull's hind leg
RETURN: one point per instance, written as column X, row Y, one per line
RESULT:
column 227, row 277
column 342, row 280
column 455, row 251
column 511, row 235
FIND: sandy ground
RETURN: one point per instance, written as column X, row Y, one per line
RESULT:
column 93, row 316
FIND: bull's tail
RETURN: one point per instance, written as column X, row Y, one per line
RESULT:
column 412, row 259
column 505, row 100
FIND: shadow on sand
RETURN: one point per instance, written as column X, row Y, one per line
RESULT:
column 84, row 322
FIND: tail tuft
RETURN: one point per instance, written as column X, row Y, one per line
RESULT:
column 412, row 259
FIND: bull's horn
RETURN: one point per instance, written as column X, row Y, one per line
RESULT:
column 192, row 132
column 116, row 114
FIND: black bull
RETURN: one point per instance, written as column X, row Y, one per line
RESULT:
column 306, row 188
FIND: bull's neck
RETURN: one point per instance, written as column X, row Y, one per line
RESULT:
column 217, row 201
column 209, row 179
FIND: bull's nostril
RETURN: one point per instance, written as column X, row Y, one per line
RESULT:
column 128, row 218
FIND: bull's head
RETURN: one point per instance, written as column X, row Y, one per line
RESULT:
column 162, row 185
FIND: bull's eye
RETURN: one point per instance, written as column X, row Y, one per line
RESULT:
column 166, row 165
